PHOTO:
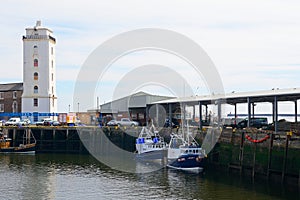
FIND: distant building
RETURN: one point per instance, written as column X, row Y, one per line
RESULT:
column 39, row 71
column 132, row 106
column 10, row 97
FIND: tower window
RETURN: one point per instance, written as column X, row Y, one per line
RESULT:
column 1, row 107
column 35, row 62
column 1, row 95
column 52, row 76
column 35, row 89
column 35, row 49
column 36, row 76
column 14, row 94
column 35, row 102
column 14, row 106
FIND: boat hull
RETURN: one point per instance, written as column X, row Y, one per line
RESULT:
column 189, row 169
column 188, row 162
column 28, row 149
column 152, row 155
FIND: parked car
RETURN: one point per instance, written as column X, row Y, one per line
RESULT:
column 24, row 122
column 13, row 121
column 231, row 122
column 56, row 123
column 127, row 122
column 112, row 123
column 256, row 122
column 48, row 122
column 41, row 123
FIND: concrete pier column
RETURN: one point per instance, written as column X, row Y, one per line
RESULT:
column 249, row 110
column 156, row 110
column 147, row 115
column 219, row 111
column 296, row 112
column 275, row 113
column 194, row 114
column 184, row 113
column 170, row 112
column 200, row 115
column 253, row 109
column 14, row 137
column 235, row 111
column 206, row 112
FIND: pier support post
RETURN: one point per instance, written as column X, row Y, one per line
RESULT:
column 206, row 113
column 194, row 114
column 254, row 158
column 253, row 109
column 275, row 113
column 147, row 116
column 157, row 116
column 241, row 152
column 170, row 116
column 285, row 157
column 42, row 139
column 14, row 137
column 200, row 115
column 183, row 113
column 296, row 112
column 249, row 111
column 270, row 155
column 170, row 112
column 219, row 112
column 235, row 112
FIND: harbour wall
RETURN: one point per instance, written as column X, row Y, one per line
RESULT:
column 249, row 152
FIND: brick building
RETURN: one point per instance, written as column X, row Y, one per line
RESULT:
column 11, row 97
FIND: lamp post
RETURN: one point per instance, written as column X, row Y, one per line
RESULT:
column 78, row 107
column 69, row 108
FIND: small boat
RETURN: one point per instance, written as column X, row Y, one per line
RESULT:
column 185, row 155
column 149, row 145
column 27, row 146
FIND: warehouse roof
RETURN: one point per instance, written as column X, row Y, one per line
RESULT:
column 290, row 94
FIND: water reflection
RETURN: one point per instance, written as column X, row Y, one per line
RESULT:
column 58, row 176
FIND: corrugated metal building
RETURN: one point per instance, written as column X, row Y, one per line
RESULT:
column 132, row 106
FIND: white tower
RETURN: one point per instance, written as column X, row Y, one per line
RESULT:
column 39, row 78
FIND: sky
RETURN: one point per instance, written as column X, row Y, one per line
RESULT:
column 255, row 45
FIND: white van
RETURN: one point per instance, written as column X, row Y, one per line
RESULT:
column 14, row 121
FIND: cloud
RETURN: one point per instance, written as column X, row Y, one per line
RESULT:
column 252, row 43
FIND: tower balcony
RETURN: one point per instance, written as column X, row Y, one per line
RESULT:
column 39, row 37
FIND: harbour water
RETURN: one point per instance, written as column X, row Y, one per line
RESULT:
column 69, row 176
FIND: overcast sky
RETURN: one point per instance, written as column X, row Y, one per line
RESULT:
column 255, row 45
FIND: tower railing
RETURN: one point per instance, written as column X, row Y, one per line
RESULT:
column 39, row 37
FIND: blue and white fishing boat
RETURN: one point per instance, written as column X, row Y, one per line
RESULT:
column 149, row 145
column 184, row 154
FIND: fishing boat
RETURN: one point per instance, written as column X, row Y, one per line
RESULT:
column 27, row 146
column 149, row 145
column 184, row 153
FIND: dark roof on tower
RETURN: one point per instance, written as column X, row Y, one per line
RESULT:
column 11, row 87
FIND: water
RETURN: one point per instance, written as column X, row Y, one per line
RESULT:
column 59, row 176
